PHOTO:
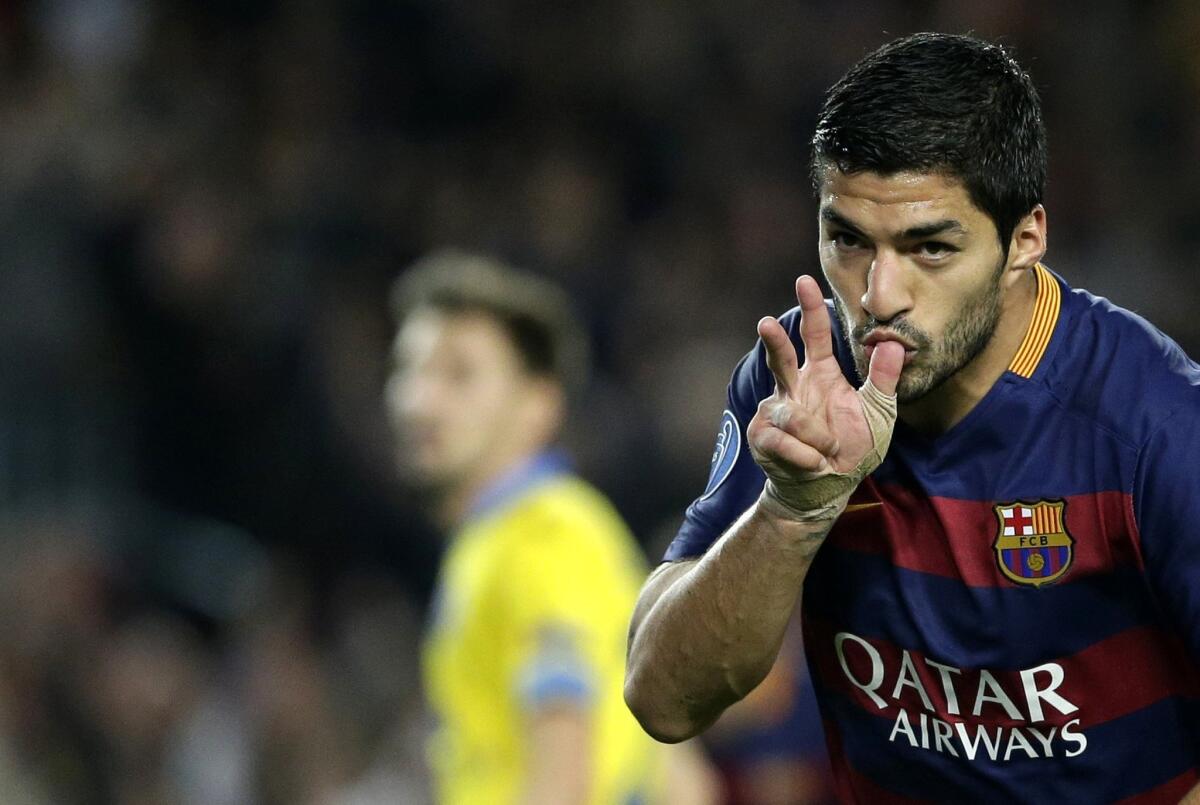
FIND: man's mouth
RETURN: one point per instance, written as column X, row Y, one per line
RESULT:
column 877, row 337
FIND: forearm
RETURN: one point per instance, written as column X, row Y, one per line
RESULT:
column 558, row 765
column 706, row 633
column 1192, row 797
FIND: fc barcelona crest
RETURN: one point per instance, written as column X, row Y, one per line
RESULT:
column 1032, row 544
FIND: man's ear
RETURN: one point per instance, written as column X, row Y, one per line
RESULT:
column 1028, row 240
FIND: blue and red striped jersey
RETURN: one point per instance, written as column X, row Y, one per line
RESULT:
column 1010, row 610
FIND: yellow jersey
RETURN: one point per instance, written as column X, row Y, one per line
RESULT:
column 533, row 605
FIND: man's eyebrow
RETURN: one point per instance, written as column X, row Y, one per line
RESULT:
column 945, row 226
column 948, row 225
column 832, row 216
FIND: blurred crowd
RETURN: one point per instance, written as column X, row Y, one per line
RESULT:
column 214, row 580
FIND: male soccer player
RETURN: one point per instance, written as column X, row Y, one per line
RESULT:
column 526, row 650
column 1001, row 585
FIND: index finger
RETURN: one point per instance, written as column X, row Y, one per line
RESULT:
column 781, row 353
column 816, row 331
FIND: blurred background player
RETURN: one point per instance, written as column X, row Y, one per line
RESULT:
column 525, row 652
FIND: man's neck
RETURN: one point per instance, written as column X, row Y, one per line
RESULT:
column 453, row 505
column 945, row 407
column 458, row 502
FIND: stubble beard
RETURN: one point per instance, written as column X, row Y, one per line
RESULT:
column 966, row 336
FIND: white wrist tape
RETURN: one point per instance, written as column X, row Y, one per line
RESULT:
column 822, row 497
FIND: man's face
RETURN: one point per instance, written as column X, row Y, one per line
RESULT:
column 455, row 395
column 911, row 258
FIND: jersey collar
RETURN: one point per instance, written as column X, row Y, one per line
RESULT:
column 1045, row 317
column 532, row 472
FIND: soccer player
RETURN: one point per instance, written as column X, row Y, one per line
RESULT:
column 526, row 649
column 983, row 483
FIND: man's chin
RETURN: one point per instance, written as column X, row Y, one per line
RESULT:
column 427, row 475
column 918, row 384
column 911, row 395
column 912, row 385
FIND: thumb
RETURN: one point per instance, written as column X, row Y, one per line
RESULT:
column 886, row 363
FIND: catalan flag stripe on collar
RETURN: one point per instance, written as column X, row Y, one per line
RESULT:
column 1041, row 327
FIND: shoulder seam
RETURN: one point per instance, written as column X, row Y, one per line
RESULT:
column 1137, row 468
column 1066, row 406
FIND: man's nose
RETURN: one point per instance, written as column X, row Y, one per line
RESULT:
column 887, row 293
column 411, row 397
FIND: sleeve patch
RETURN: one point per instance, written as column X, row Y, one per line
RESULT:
column 725, row 453
column 557, row 672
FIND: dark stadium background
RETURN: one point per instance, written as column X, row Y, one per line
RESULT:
column 212, row 582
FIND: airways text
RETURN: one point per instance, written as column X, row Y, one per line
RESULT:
column 963, row 712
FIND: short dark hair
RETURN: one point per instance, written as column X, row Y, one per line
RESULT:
column 534, row 312
column 940, row 103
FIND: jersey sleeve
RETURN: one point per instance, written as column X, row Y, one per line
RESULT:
column 734, row 480
column 569, row 601
column 1166, row 503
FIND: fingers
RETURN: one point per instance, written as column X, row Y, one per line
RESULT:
column 792, row 419
column 781, row 354
column 815, row 328
column 777, row 447
column 886, row 363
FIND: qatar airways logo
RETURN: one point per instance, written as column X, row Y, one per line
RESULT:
column 959, row 708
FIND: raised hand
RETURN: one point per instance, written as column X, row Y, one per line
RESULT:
column 817, row 437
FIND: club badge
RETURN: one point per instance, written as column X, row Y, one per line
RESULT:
column 1032, row 544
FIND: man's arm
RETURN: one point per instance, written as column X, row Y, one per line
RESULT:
column 560, row 748
column 690, row 776
column 706, row 631
column 1166, row 504
column 560, row 772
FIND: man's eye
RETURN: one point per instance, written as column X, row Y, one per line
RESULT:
column 846, row 240
column 935, row 248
